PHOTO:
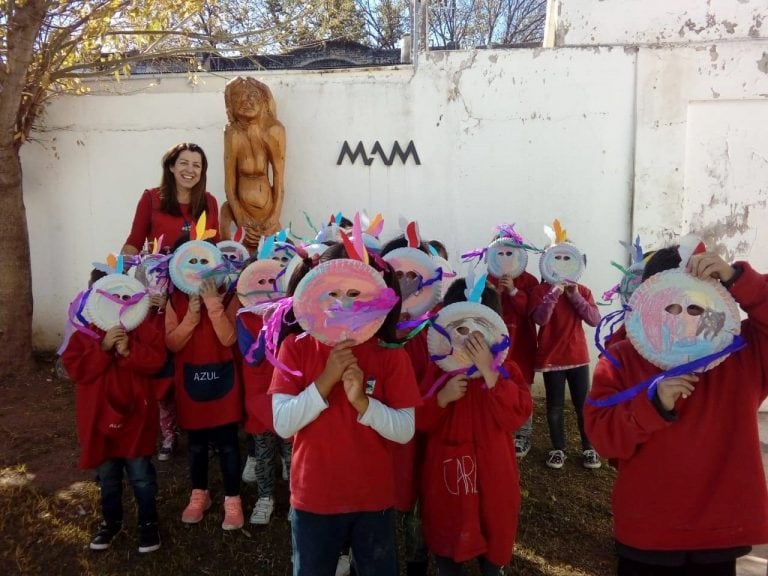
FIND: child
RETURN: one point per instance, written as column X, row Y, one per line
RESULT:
column 470, row 487
column 208, row 393
column 690, row 496
column 349, row 404
column 117, row 420
column 559, row 305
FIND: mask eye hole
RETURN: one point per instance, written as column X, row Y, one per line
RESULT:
column 463, row 330
column 558, row 257
column 695, row 310
column 262, row 281
column 411, row 275
column 566, row 258
column 284, row 259
column 125, row 297
column 334, row 294
column 674, row 309
column 193, row 261
column 353, row 293
column 399, row 274
column 203, row 261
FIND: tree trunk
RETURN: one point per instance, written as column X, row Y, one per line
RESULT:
column 15, row 270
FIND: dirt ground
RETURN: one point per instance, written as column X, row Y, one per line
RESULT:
column 49, row 508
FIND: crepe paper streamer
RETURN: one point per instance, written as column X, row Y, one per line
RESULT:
column 124, row 305
column 508, row 231
column 76, row 321
column 609, row 295
column 361, row 313
column 274, row 318
column 310, row 224
column 612, row 321
column 652, row 383
column 479, row 253
column 635, row 250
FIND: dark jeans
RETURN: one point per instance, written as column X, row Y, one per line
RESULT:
column 143, row 479
column 318, row 540
column 578, row 384
column 447, row 567
column 634, row 568
column 226, row 442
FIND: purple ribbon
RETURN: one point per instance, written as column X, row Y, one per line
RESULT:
column 652, row 383
column 76, row 321
column 274, row 318
column 124, row 304
column 471, row 255
column 613, row 321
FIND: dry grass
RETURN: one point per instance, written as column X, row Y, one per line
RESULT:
column 48, row 508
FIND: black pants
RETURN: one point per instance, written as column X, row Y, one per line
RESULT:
column 447, row 567
column 578, row 384
column 634, row 568
column 226, row 442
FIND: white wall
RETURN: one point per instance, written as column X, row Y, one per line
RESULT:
column 523, row 137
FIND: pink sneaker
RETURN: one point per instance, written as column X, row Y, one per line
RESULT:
column 233, row 513
column 199, row 502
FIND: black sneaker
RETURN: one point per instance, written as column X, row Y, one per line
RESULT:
column 149, row 537
column 104, row 536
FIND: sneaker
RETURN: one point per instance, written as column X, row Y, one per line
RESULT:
column 249, row 471
column 343, row 566
column 556, row 459
column 165, row 453
column 103, row 538
column 199, row 502
column 233, row 513
column 262, row 511
column 522, row 446
column 590, row 459
column 149, row 537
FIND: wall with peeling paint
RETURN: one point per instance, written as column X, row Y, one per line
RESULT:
column 503, row 136
column 641, row 22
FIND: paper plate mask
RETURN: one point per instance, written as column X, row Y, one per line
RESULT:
column 311, row 250
column 342, row 299
column 117, row 300
column 258, row 283
column 454, row 324
column 193, row 262
column 505, row 256
column 152, row 272
column 561, row 263
column 420, row 281
column 233, row 251
column 676, row 318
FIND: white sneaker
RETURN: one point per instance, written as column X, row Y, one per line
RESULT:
column 343, row 568
column 262, row 511
column 249, row 471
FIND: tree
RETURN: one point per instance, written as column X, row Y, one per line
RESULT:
column 386, row 21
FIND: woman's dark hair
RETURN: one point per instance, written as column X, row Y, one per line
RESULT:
column 455, row 293
column 664, row 259
column 388, row 329
column 402, row 242
column 168, row 201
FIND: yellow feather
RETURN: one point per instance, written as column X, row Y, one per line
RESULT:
column 200, row 227
column 560, row 232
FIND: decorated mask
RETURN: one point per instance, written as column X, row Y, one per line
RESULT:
column 117, row 300
column 152, row 272
column 505, row 256
column 258, row 283
column 419, row 277
column 342, row 299
column 454, row 324
column 193, row 262
column 562, row 263
column 675, row 318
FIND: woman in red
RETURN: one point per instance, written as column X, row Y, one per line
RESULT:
column 167, row 213
column 470, row 486
column 173, row 208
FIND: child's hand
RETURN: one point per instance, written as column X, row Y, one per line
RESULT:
column 506, row 282
column 111, row 337
column 157, row 301
column 352, row 378
column 194, row 306
column 570, row 288
column 709, row 265
column 480, row 353
column 208, row 289
column 670, row 389
column 340, row 358
column 121, row 345
column 454, row 390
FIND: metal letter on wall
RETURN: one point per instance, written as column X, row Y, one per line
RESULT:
column 397, row 151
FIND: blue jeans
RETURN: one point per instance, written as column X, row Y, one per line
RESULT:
column 318, row 540
column 143, row 479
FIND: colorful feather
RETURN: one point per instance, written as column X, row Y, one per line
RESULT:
column 690, row 244
column 266, row 247
column 357, row 237
column 112, row 262
column 349, row 246
column 376, row 226
column 560, row 233
column 551, row 235
column 282, row 236
column 412, row 233
column 337, row 219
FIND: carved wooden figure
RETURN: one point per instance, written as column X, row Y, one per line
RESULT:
column 254, row 143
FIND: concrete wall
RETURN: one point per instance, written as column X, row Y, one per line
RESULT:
column 634, row 123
